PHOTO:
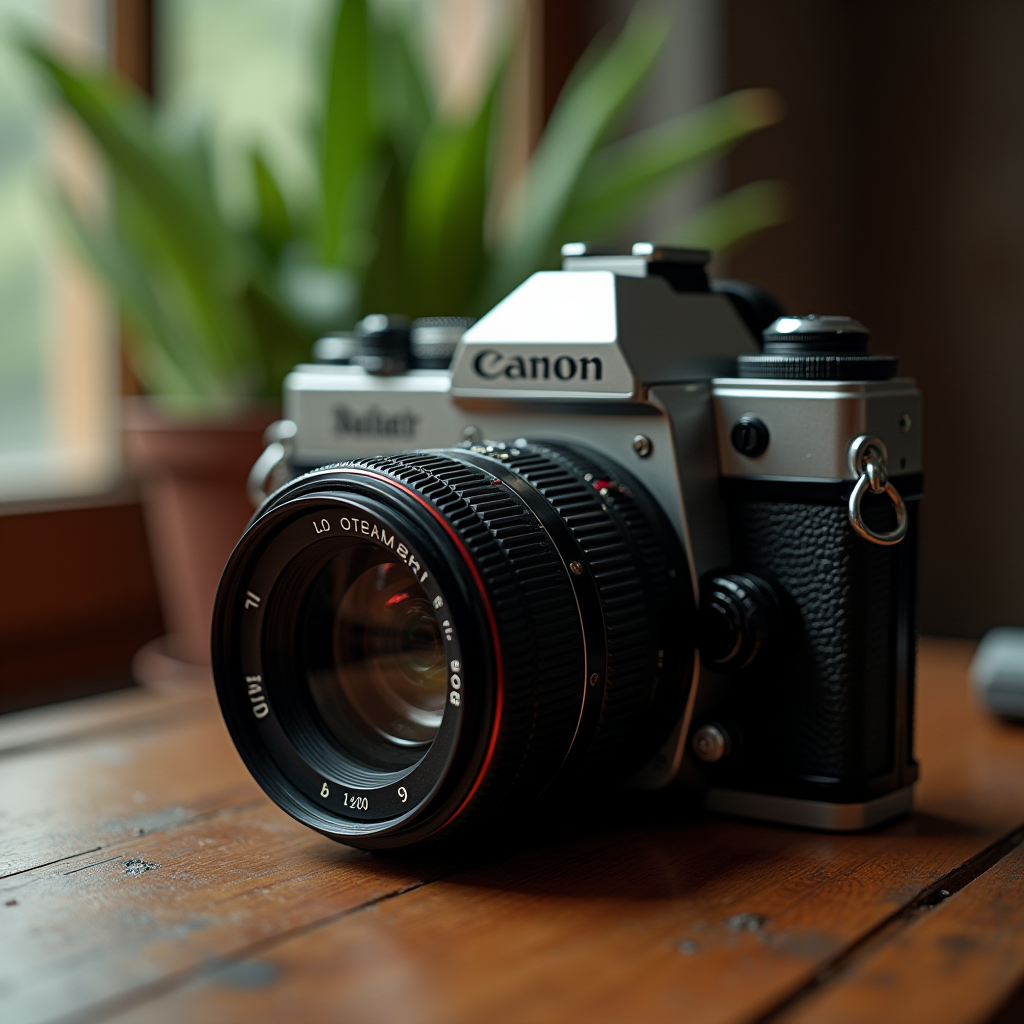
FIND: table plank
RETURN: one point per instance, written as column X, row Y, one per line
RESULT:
column 132, row 918
column 972, row 765
column 959, row 962
column 103, row 713
column 706, row 920
column 664, row 915
column 60, row 800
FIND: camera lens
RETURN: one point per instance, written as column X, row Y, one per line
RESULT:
column 409, row 645
column 373, row 657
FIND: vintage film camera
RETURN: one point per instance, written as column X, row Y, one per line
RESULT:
column 620, row 540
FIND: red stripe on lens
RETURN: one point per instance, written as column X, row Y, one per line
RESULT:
column 492, row 622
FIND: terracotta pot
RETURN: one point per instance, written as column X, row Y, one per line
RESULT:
column 192, row 475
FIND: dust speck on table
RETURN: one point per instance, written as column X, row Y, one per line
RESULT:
column 745, row 923
column 136, row 866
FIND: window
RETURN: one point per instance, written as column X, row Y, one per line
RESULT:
column 58, row 357
column 245, row 72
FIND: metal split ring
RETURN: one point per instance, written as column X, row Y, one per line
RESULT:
column 867, row 459
column 264, row 477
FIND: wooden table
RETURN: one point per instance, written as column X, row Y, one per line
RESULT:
column 144, row 878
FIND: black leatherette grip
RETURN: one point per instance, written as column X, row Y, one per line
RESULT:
column 834, row 710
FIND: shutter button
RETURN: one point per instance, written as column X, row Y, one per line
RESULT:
column 749, row 436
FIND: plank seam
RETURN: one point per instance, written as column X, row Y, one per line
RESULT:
column 94, row 864
column 885, row 931
column 128, row 840
column 50, row 863
column 135, row 998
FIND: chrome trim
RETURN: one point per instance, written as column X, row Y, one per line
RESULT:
column 664, row 766
column 811, row 425
column 815, row 814
column 862, row 487
column 270, row 469
column 861, row 449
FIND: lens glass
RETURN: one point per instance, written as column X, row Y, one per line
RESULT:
column 372, row 657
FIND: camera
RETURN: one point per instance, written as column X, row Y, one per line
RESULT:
column 624, row 539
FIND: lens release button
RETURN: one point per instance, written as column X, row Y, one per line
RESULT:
column 740, row 617
column 750, row 436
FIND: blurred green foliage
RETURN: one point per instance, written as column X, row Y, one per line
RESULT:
column 403, row 220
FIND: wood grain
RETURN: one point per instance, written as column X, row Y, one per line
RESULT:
column 650, row 913
column 958, row 962
column 711, row 921
column 105, row 713
column 972, row 766
column 142, row 775
column 125, row 921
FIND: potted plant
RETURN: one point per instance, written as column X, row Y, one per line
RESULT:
column 407, row 217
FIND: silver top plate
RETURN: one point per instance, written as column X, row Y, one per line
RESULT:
column 811, row 425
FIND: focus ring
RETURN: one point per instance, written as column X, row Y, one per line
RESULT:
column 631, row 570
column 539, row 628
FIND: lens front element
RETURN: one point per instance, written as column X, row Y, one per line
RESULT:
column 374, row 659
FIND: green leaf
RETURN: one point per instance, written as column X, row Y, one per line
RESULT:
column 166, row 219
column 593, row 99
column 384, row 288
column 445, row 209
column 402, row 99
column 274, row 226
column 623, row 176
column 117, row 120
column 211, row 328
column 347, row 130
column 189, row 147
column 734, row 217
column 164, row 364
column 282, row 342
column 216, row 331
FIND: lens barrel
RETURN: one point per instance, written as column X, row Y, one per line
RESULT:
column 408, row 645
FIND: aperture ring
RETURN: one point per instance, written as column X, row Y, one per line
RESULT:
column 641, row 576
column 588, row 599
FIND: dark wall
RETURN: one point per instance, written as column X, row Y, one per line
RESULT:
column 78, row 600
column 903, row 145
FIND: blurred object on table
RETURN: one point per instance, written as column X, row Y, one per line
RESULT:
column 997, row 672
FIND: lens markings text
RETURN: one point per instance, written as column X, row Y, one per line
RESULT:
column 367, row 528
column 455, row 680
column 257, row 699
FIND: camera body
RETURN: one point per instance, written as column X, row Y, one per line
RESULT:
column 780, row 474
